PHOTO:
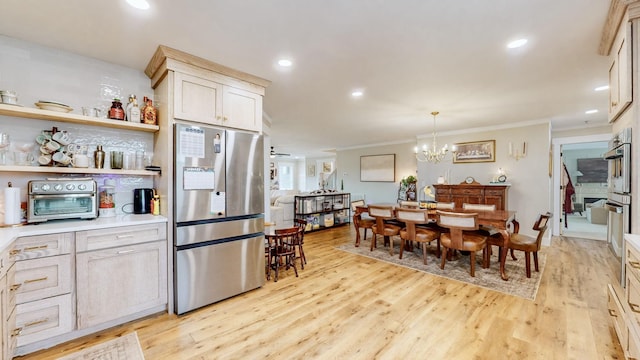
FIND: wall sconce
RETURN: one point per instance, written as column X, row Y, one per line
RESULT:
column 516, row 152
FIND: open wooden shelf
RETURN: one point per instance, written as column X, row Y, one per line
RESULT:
column 72, row 170
column 32, row 113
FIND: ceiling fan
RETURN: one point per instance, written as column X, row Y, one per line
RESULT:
column 273, row 153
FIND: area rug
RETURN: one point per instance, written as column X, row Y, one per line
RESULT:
column 126, row 347
column 458, row 269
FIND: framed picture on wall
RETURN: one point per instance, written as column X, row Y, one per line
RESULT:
column 326, row 167
column 379, row 168
column 475, row 151
column 311, row 170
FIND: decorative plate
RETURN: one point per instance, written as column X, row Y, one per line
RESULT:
column 53, row 107
column 52, row 102
column 469, row 180
column 502, row 178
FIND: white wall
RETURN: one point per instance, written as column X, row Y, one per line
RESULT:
column 41, row 73
column 348, row 167
column 530, row 189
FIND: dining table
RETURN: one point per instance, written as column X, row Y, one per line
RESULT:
column 501, row 220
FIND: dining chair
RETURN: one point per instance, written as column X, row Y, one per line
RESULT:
column 301, row 224
column 479, row 207
column 364, row 220
column 269, row 250
column 284, row 252
column 488, row 230
column 409, row 204
column 382, row 214
column 461, row 236
column 530, row 244
column 445, row 205
column 424, row 236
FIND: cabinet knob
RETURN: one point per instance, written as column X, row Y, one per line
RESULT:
column 614, row 103
column 634, row 264
column 225, row 118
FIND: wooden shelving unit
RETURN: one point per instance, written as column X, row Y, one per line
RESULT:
column 32, row 113
column 72, row 170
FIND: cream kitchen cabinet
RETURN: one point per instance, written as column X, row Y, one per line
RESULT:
column 120, row 272
column 7, row 306
column 206, row 92
column 624, row 304
column 43, row 287
column 620, row 71
column 209, row 102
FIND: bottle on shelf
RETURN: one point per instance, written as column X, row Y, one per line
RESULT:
column 98, row 157
column 148, row 113
column 127, row 109
column 116, row 111
column 134, row 114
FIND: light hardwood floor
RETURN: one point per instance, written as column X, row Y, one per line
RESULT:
column 344, row 306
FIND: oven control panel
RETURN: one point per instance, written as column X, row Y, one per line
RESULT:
column 62, row 186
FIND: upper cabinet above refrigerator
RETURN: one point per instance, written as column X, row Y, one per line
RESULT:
column 209, row 93
column 202, row 100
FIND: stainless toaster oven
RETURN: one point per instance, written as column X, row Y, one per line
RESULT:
column 61, row 198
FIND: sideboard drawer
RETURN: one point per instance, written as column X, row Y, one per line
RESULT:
column 41, row 278
column 43, row 319
column 464, row 191
column 122, row 236
column 493, row 192
column 31, row 247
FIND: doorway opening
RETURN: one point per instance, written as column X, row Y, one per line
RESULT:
column 584, row 212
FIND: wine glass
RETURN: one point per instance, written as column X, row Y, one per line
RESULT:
column 5, row 141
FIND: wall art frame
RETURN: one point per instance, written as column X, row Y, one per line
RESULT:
column 378, row 168
column 475, row 152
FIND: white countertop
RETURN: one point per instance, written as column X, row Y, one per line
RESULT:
column 634, row 239
column 8, row 234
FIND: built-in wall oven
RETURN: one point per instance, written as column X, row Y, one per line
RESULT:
column 619, row 195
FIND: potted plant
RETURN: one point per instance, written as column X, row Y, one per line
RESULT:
column 410, row 184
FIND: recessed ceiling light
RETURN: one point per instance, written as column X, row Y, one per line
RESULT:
column 357, row 93
column 591, row 111
column 139, row 4
column 285, row 62
column 602, row 88
column 517, row 43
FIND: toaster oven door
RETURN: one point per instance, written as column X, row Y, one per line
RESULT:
column 61, row 206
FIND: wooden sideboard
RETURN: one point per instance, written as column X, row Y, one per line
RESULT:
column 473, row 194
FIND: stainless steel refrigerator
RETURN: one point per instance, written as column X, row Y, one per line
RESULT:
column 219, row 220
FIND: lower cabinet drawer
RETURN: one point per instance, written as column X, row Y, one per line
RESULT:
column 43, row 319
column 12, row 288
column 30, row 247
column 11, row 335
column 616, row 312
column 41, row 278
column 123, row 236
column 633, row 348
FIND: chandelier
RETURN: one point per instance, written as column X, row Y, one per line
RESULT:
column 434, row 154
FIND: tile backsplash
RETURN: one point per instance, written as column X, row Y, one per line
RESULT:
column 37, row 73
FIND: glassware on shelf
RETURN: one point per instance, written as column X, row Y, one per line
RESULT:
column 5, row 141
